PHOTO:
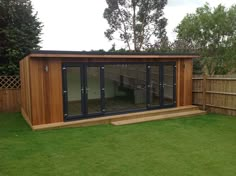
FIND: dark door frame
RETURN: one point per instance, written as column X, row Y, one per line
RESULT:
column 84, row 85
column 173, row 83
column 161, row 66
column 83, row 90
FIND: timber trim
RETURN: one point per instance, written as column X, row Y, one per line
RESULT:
column 29, row 87
column 220, row 93
column 110, row 56
column 26, row 117
column 221, row 107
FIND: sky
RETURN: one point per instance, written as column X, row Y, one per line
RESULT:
column 78, row 25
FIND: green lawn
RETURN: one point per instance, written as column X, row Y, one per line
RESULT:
column 203, row 145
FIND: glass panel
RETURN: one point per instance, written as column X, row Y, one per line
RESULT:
column 125, row 87
column 155, row 85
column 93, row 90
column 168, row 84
column 74, row 90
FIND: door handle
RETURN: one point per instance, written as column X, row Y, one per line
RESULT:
column 86, row 90
column 162, row 85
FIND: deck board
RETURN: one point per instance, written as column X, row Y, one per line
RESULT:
column 159, row 117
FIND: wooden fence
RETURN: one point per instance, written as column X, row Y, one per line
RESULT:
column 10, row 94
column 215, row 94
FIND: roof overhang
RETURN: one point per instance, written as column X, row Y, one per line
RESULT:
column 93, row 54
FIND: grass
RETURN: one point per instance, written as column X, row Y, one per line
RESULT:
column 198, row 146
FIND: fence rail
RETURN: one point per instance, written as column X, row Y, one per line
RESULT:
column 10, row 94
column 215, row 94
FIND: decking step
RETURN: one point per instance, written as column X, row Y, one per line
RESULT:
column 159, row 117
column 153, row 113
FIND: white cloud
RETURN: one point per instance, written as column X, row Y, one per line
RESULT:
column 72, row 24
column 176, row 3
column 79, row 24
column 176, row 10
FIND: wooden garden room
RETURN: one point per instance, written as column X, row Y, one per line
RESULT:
column 67, row 87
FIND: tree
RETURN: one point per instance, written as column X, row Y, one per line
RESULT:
column 136, row 22
column 212, row 32
column 19, row 33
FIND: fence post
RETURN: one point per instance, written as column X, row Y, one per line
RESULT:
column 204, row 85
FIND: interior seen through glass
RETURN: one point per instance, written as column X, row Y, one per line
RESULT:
column 168, row 84
column 93, row 90
column 154, row 85
column 125, row 87
column 74, row 90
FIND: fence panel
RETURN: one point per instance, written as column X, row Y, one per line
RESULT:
column 216, row 94
column 10, row 94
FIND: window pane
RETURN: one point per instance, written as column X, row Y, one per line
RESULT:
column 168, row 84
column 155, row 85
column 93, row 89
column 125, row 87
column 74, row 90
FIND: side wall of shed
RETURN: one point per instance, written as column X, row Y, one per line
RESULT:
column 25, row 90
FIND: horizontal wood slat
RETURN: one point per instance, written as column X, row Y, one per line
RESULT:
column 222, row 93
column 222, row 79
column 160, row 117
column 221, row 107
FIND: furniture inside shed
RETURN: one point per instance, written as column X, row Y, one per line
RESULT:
column 58, row 87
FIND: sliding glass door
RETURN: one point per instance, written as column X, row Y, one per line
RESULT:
column 168, row 84
column 125, row 87
column 73, row 91
column 93, row 90
column 81, row 90
column 161, row 83
column 98, row 89
column 154, row 82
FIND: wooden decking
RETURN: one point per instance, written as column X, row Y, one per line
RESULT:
column 159, row 117
column 130, row 118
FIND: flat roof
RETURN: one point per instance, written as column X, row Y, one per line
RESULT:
column 103, row 54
